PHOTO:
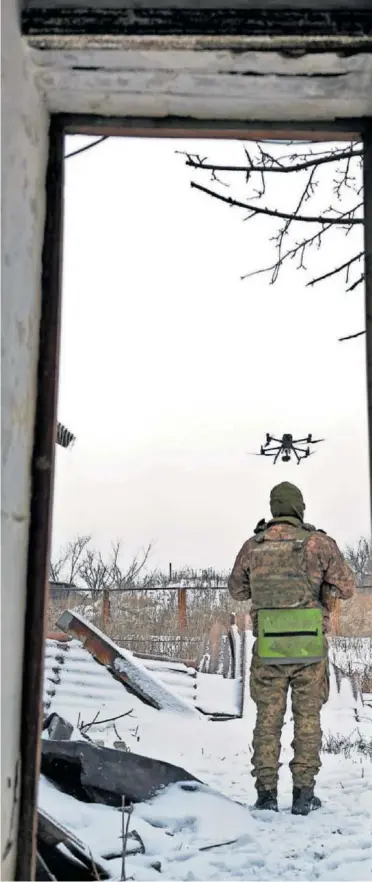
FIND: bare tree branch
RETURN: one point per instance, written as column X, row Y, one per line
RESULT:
column 298, row 250
column 251, row 168
column 87, row 147
column 97, row 722
column 67, row 567
column 359, row 281
column 338, row 269
column 351, row 336
column 344, row 220
column 342, row 165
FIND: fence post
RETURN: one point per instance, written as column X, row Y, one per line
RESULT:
column 182, row 615
column 215, row 642
column 106, row 607
column 336, row 617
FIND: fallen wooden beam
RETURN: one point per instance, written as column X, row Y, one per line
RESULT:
column 123, row 665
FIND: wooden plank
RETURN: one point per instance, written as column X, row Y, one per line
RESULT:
column 201, row 656
column 151, row 6
column 112, row 17
column 226, row 667
column 235, row 644
column 186, row 663
column 214, row 642
column 42, row 477
column 185, row 127
column 243, row 661
column 54, row 834
column 59, row 636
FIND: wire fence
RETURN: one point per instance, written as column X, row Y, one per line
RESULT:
column 161, row 622
column 173, row 621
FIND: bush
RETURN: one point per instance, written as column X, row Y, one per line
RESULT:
column 347, row 745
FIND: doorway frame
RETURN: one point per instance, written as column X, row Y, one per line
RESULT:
column 42, row 470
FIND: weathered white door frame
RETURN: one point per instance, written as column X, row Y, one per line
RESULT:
column 47, row 388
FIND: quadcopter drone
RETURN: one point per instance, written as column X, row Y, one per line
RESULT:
column 287, row 445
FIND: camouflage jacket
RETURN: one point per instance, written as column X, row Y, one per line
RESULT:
column 325, row 565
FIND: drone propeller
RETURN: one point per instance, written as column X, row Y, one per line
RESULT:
column 317, row 441
column 310, row 453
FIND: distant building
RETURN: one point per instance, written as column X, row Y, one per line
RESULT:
column 64, row 592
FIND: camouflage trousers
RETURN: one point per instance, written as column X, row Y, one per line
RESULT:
column 269, row 686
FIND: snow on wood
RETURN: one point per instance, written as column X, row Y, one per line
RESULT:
column 144, row 683
column 124, row 665
column 234, row 637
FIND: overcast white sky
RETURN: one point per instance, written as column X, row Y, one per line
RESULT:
column 172, row 369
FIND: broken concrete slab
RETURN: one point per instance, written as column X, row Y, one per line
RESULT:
column 103, row 775
column 58, row 728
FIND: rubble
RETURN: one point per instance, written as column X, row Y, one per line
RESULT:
column 123, row 804
column 101, row 774
column 73, row 861
column 77, row 681
column 58, row 728
column 87, row 674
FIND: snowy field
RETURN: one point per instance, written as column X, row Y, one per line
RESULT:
column 213, row 832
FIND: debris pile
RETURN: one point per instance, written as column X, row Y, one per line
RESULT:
column 75, row 685
column 92, row 687
column 126, row 744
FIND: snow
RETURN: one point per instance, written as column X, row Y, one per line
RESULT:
column 216, row 695
column 163, row 695
column 211, row 831
column 334, row 843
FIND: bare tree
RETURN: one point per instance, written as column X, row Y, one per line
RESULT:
column 67, row 566
column 297, row 231
column 87, row 567
column 129, row 577
column 360, row 558
column 94, row 572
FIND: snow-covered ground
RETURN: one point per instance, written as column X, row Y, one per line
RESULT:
column 213, row 832
column 333, row 843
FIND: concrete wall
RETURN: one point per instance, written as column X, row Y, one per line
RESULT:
column 142, row 79
column 24, row 156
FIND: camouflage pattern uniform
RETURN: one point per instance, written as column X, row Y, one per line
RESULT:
column 269, row 683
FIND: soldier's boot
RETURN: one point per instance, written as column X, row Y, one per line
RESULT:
column 304, row 801
column 267, row 800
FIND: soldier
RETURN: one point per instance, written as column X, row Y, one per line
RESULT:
column 289, row 570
